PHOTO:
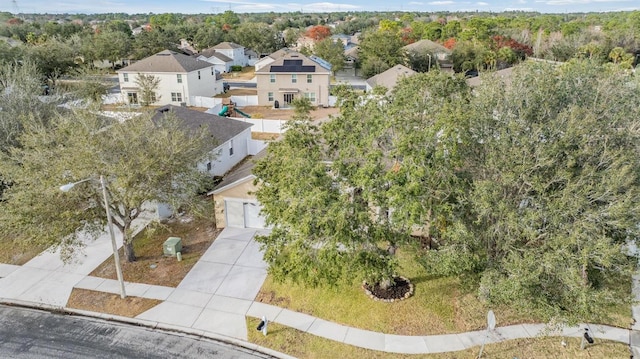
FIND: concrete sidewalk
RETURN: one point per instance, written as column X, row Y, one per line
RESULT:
column 218, row 293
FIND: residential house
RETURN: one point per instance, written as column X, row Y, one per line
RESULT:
column 252, row 57
column 305, row 42
column 272, row 57
column 230, row 141
column 389, row 78
column 441, row 55
column 233, row 51
column 186, row 48
column 235, row 200
column 181, row 78
column 294, row 74
column 504, row 75
column 220, row 61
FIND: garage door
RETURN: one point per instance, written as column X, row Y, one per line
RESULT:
column 241, row 214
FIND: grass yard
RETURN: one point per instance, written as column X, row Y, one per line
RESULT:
column 307, row 346
column 247, row 73
column 438, row 306
column 152, row 267
column 19, row 252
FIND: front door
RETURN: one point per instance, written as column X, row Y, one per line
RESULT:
column 288, row 98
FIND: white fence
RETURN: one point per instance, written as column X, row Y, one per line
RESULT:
column 199, row 101
column 256, row 146
column 242, row 101
column 332, row 101
column 264, row 125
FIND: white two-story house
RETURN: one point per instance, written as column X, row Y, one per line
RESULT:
column 221, row 62
column 292, row 75
column 233, row 51
column 229, row 145
column 181, row 78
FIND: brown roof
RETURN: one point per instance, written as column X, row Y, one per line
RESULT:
column 390, row 77
column 167, row 61
column 221, row 128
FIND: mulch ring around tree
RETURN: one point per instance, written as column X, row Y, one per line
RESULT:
column 399, row 290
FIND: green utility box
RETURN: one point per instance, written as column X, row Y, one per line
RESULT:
column 172, row 246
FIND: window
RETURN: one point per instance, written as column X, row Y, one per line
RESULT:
column 209, row 166
column 125, row 77
column 309, row 78
column 153, row 97
column 231, row 148
column 133, row 98
column 198, row 75
column 270, row 96
column 311, row 96
column 213, row 71
column 176, row 96
column 272, row 78
column 179, row 78
column 294, row 78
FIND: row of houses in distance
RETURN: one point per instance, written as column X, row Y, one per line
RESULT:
column 280, row 78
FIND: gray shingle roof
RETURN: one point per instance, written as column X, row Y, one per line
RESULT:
column 211, row 52
column 390, row 77
column 427, row 45
column 221, row 128
column 167, row 61
column 227, row 45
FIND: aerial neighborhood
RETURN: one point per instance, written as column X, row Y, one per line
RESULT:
column 322, row 184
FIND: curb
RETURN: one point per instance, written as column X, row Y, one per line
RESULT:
column 174, row 329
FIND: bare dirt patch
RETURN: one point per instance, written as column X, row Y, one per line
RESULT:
column 151, row 266
column 268, row 112
column 237, row 92
column 247, row 73
column 109, row 303
column 264, row 136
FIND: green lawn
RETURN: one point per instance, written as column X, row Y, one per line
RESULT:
column 302, row 345
column 438, row 306
column 19, row 252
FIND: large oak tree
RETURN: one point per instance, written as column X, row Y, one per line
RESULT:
column 144, row 161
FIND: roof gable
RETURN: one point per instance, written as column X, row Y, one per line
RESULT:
column 427, row 45
column 227, row 45
column 167, row 61
column 390, row 77
column 293, row 63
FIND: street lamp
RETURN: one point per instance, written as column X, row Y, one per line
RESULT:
column 116, row 256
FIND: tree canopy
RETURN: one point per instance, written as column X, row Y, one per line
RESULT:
column 143, row 161
column 529, row 189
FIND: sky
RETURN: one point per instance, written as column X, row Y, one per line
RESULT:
column 242, row 6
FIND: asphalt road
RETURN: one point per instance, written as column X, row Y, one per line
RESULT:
column 33, row 334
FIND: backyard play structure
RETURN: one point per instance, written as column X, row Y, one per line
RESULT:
column 229, row 109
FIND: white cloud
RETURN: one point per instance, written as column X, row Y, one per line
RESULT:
column 481, row 3
column 441, row 3
column 415, row 3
